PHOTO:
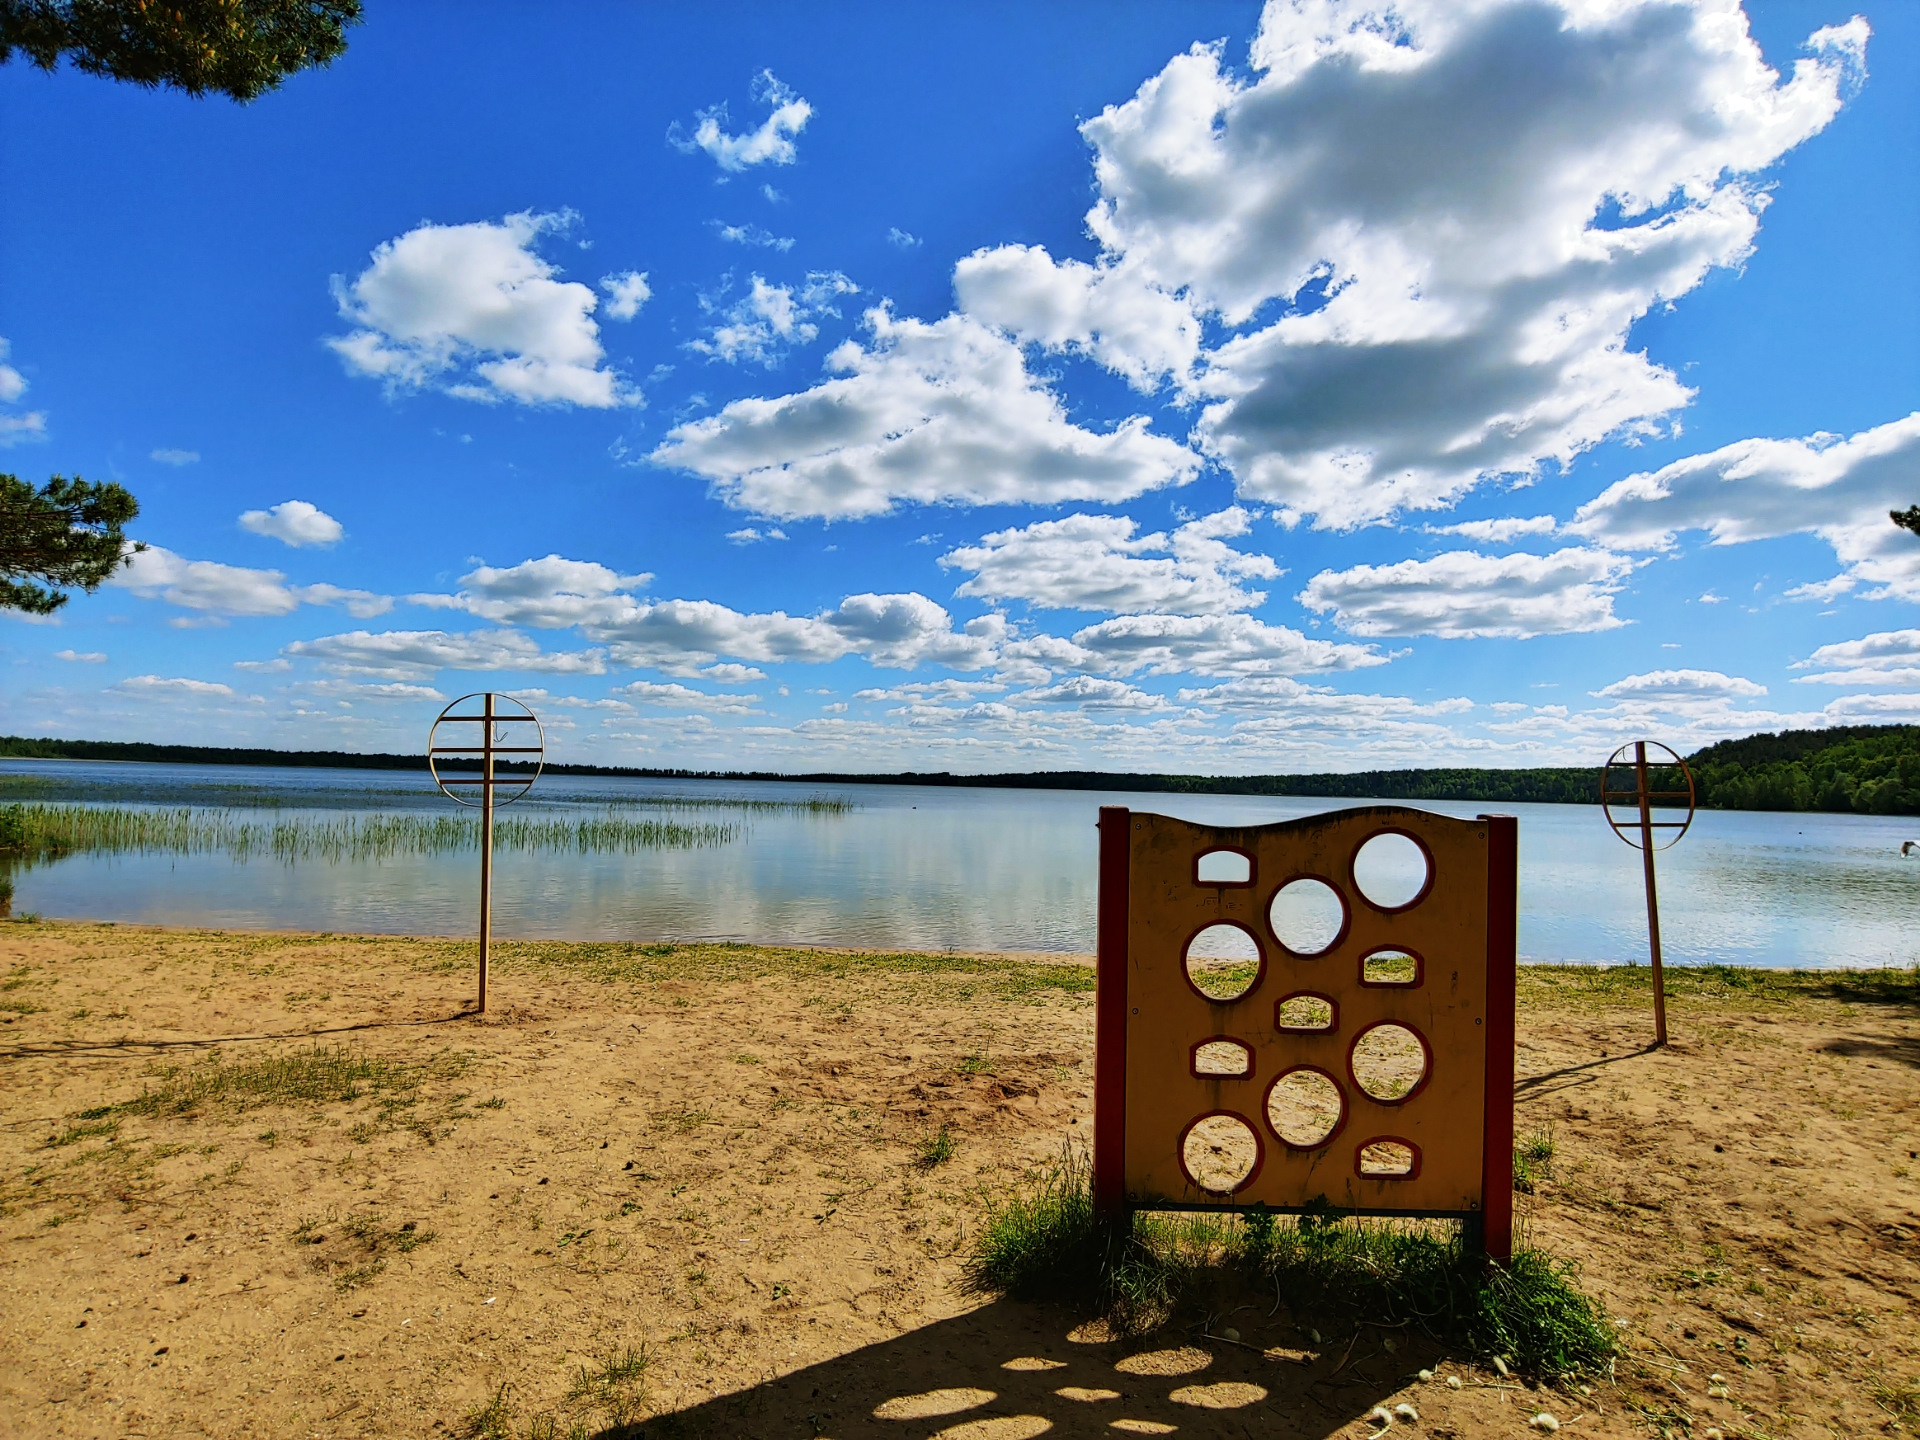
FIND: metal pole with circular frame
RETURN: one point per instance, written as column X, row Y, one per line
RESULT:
column 1636, row 791
column 501, row 719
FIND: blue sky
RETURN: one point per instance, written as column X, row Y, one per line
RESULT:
column 989, row 387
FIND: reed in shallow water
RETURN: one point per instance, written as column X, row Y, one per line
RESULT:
column 47, row 830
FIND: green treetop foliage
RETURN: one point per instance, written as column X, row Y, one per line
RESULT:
column 1907, row 519
column 67, row 533
column 1862, row 769
column 238, row 48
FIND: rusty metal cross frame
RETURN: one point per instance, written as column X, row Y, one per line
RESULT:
column 490, row 719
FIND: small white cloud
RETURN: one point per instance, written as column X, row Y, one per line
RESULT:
column 769, row 320
column 174, row 457
column 771, row 143
column 162, row 685
column 1680, row 685
column 294, row 522
column 1709, row 598
column 17, row 429
column 474, row 311
column 901, row 240
column 729, row 674
column 752, row 534
column 87, row 657
column 1465, row 594
column 1495, row 532
column 12, row 383
column 263, row 667
column 751, row 234
column 626, row 293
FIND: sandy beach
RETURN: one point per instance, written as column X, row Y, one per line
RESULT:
column 700, row 1190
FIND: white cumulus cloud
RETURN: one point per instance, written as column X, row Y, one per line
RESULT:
column 294, row 522
column 1432, row 225
column 86, row 657
column 409, row 654
column 1096, row 562
column 1496, row 532
column 770, row 319
column 626, row 293
column 1681, row 685
column 1891, row 657
column 169, row 685
column 1464, row 594
column 771, row 143
column 1192, row 645
column 751, row 234
column 214, row 589
column 927, row 412
column 475, row 311
column 1839, row 490
column 1127, row 323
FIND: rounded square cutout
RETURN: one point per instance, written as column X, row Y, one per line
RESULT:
column 1224, row 866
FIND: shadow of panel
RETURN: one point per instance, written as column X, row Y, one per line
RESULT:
column 1009, row 1371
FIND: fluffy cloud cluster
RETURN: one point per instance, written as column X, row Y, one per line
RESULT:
column 1839, row 490
column 294, row 522
column 764, row 324
column 1191, row 645
column 1681, row 687
column 682, row 636
column 1432, row 225
column 413, row 654
column 770, row 143
column 1891, row 657
column 474, row 310
column 213, row 589
column 1464, row 594
column 927, row 412
column 1096, row 562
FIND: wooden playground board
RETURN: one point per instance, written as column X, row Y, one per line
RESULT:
column 1451, row 1132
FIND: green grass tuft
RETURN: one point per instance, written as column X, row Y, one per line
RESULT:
column 1047, row 1242
column 930, row 1151
column 1532, row 1160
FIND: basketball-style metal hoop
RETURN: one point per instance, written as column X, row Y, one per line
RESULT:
column 465, row 763
column 1625, row 784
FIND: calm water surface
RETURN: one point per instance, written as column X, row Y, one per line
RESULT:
column 936, row 868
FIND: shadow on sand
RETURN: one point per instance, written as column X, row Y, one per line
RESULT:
column 1009, row 1371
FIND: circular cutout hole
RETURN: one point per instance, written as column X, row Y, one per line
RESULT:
column 1222, row 1057
column 1308, row 916
column 1303, row 1012
column 1305, row 1108
column 1221, row 1153
column 1389, row 1062
column 1223, row 962
column 1392, row 870
column 1388, row 1160
column 1390, row 967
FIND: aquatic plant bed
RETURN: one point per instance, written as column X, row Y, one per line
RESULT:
column 281, row 1185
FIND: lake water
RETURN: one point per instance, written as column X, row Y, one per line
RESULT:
column 934, row 868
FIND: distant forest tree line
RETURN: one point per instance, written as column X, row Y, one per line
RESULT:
column 1855, row 769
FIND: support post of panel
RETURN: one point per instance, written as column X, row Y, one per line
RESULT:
column 1653, row 897
column 1110, row 1013
column 1503, row 938
column 486, row 846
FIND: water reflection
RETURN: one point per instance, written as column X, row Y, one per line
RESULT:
column 936, row 868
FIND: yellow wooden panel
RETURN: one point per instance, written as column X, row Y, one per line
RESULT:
column 1168, row 1015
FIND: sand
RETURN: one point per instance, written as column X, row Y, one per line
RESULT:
column 727, row 1161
